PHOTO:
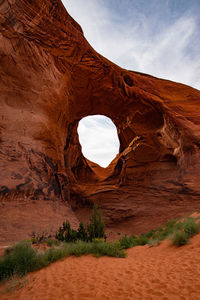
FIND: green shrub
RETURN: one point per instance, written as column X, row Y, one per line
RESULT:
column 161, row 235
column 82, row 233
column 184, row 230
column 96, row 227
column 96, row 248
column 170, row 224
column 78, row 248
column 68, row 235
column 98, row 240
column 190, row 227
column 60, row 234
column 150, row 234
column 65, row 233
column 20, row 260
column 173, row 228
column 142, row 240
column 51, row 255
column 153, row 242
column 178, row 226
column 34, row 240
column 110, row 249
column 180, row 238
column 128, row 242
column 52, row 242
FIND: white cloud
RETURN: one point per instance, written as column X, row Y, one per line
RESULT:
column 98, row 138
column 146, row 44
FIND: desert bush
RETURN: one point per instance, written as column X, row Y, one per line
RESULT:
column 184, row 230
column 128, row 242
column 178, row 226
column 132, row 241
column 20, row 260
column 34, row 240
column 170, row 224
column 51, row 255
column 14, row 283
column 110, row 249
column 79, row 248
column 98, row 240
column 96, row 227
column 180, row 238
column 52, row 242
column 82, row 233
column 65, row 233
column 178, row 230
column 190, row 227
column 150, row 234
column 97, row 249
column 142, row 240
column 153, row 242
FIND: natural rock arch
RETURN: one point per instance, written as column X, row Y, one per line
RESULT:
column 51, row 78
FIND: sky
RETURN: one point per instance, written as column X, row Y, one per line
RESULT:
column 157, row 37
column 98, row 138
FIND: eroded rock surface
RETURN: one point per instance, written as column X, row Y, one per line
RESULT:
column 50, row 79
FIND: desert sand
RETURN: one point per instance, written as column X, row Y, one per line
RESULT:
column 163, row 272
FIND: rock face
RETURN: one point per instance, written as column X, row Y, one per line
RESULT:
column 50, row 79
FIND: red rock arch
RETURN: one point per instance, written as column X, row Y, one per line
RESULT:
column 50, row 79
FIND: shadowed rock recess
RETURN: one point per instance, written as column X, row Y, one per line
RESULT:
column 50, row 79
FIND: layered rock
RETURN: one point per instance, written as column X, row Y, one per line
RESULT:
column 50, row 79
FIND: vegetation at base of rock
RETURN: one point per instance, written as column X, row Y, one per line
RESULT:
column 179, row 231
column 22, row 258
column 94, row 229
column 180, row 238
column 185, row 230
column 18, row 259
column 52, row 242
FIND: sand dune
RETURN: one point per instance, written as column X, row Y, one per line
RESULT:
column 163, row 272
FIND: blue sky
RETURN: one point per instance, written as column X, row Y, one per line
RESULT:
column 158, row 37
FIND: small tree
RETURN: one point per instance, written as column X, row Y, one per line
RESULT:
column 60, row 234
column 96, row 227
column 65, row 233
column 70, row 234
column 82, row 234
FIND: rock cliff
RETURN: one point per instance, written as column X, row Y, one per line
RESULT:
column 50, row 79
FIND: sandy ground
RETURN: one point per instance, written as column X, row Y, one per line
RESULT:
column 163, row 272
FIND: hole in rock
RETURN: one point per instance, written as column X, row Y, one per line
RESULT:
column 98, row 138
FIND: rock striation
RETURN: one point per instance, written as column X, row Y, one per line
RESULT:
column 50, row 78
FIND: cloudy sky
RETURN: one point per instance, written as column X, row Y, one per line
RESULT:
column 158, row 37
column 98, row 138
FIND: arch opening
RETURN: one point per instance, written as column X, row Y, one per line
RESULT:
column 99, row 139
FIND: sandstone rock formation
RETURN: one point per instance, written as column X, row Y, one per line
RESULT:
column 50, row 78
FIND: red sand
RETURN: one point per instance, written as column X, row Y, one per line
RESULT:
column 163, row 272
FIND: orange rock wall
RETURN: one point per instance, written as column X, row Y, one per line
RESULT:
column 50, row 79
